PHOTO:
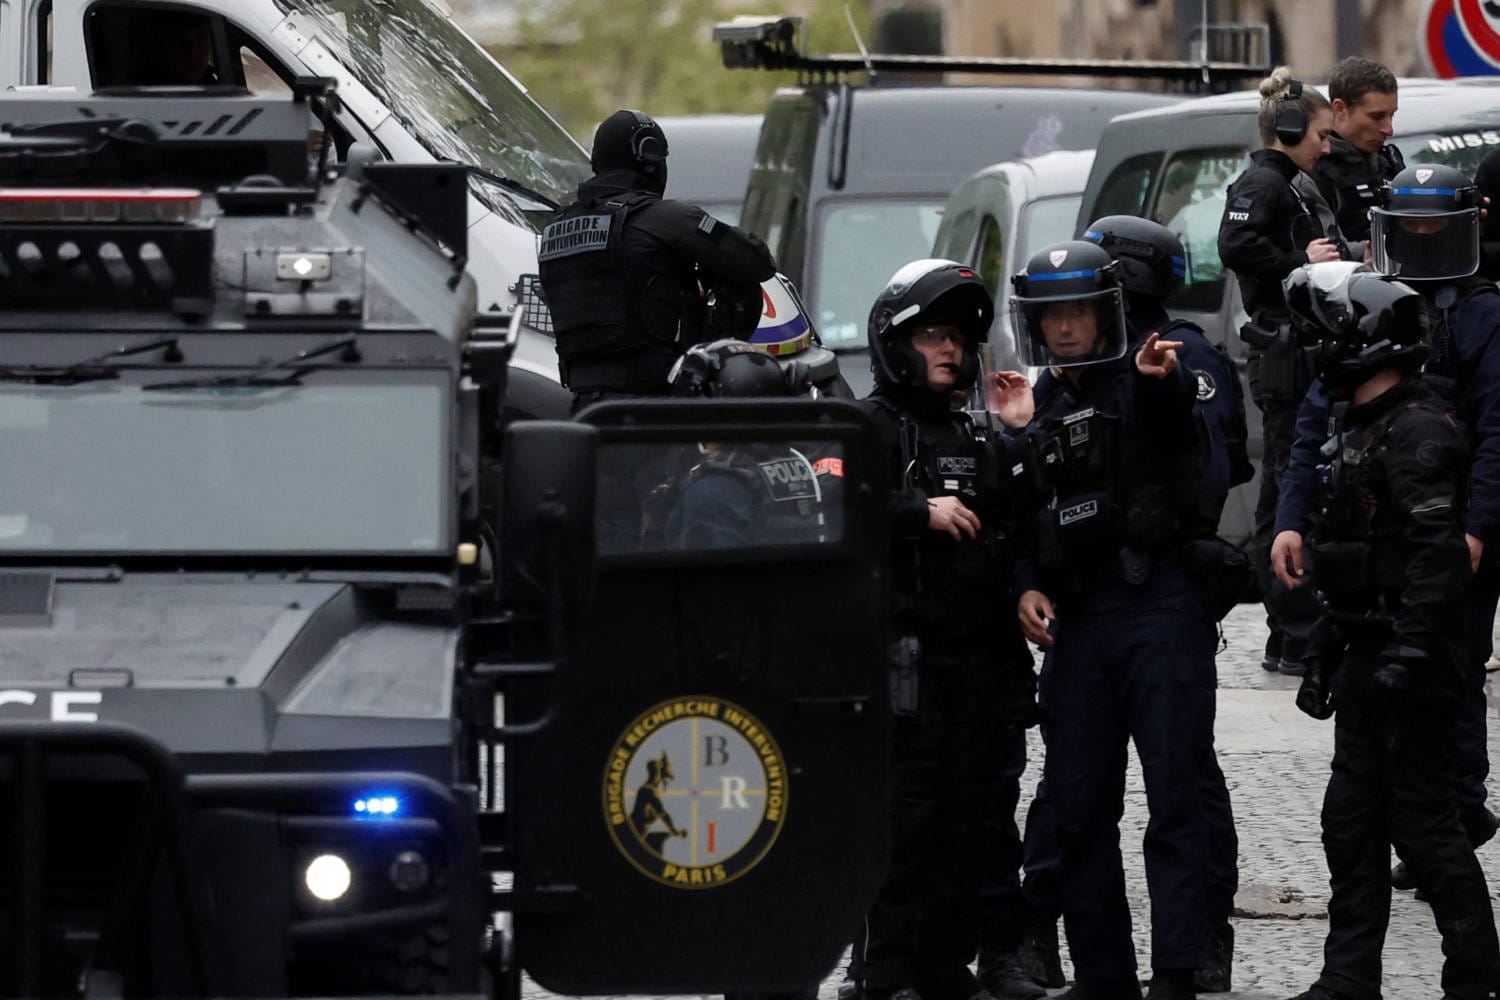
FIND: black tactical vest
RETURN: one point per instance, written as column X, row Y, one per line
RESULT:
column 591, row 291
column 1355, row 541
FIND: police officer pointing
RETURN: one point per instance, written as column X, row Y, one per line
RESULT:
column 1152, row 265
column 623, row 269
column 1115, row 458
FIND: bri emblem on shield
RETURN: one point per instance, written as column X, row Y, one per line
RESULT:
column 1057, row 257
column 1423, row 173
column 695, row 792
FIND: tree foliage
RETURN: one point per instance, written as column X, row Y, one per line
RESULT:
column 582, row 59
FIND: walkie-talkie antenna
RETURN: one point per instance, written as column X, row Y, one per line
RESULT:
column 859, row 42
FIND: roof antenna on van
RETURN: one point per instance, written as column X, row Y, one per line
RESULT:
column 859, row 42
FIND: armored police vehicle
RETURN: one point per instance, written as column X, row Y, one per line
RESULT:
column 850, row 179
column 413, row 86
column 1173, row 164
column 313, row 684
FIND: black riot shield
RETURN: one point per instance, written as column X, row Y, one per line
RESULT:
column 706, row 808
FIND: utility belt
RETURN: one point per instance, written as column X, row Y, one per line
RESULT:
column 640, row 373
column 1353, row 568
column 1280, row 365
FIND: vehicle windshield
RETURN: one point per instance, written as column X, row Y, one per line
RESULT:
column 105, row 467
column 447, row 92
column 863, row 243
column 1462, row 149
column 1047, row 221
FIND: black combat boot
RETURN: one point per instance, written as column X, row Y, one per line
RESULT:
column 1171, row 984
column 1216, row 973
column 1039, row 956
column 1001, row 974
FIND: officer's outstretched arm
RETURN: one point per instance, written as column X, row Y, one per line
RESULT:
column 719, row 249
column 1426, row 474
column 1166, row 395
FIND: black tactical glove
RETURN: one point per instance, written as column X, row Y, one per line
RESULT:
column 1315, row 695
column 1396, row 673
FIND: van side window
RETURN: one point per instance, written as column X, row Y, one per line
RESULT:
column 134, row 46
column 1124, row 192
column 1191, row 204
column 989, row 256
column 260, row 78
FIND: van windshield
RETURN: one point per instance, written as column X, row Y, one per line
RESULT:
column 1463, row 150
column 447, row 92
column 860, row 245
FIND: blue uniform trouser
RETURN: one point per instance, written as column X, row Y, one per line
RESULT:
column 1131, row 665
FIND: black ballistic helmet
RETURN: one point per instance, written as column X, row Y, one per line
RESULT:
column 930, row 292
column 1073, row 271
column 734, row 369
column 1149, row 258
column 1365, row 321
column 631, row 140
column 1427, row 225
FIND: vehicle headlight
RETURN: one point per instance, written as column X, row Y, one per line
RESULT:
column 328, row 877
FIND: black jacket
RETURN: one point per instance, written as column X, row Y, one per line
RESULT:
column 621, row 269
column 1145, row 477
column 1398, row 493
column 946, row 591
column 1264, row 233
column 1351, row 181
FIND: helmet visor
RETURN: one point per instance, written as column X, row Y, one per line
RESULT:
column 1425, row 247
column 1061, row 332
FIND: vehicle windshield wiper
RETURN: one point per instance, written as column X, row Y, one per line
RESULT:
column 95, row 369
column 287, row 371
column 513, row 186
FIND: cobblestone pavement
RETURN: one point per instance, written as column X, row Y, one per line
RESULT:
column 1276, row 762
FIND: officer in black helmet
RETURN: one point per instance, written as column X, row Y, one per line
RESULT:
column 956, row 766
column 1115, row 458
column 1392, row 569
column 1150, row 264
column 737, row 495
column 1426, row 232
column 624, row 271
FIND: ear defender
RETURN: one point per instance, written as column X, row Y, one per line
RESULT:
column 1291, row 120
column 646, row 144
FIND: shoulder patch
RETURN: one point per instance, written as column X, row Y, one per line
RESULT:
column 1207, row 387
column 1242, row 203
column 707, row 224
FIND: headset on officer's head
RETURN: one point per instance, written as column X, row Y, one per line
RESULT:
column 1291, row 120
column 646, row 143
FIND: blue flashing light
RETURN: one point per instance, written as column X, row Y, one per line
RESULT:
column 377, row 806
